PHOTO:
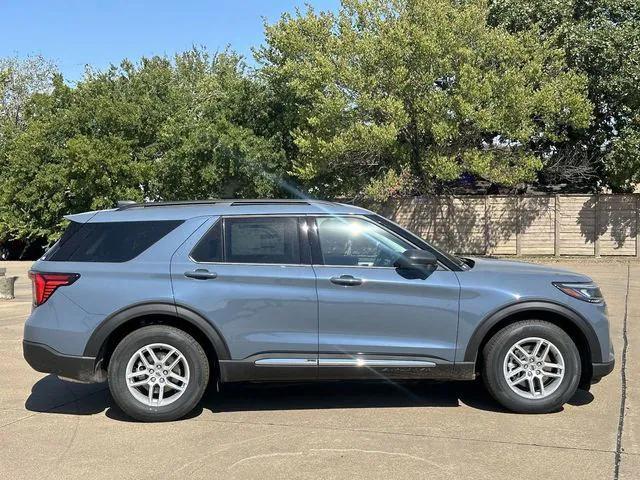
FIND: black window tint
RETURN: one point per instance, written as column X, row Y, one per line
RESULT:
column 262, row 240
column 71, row 230
column 111, row 241
column 209, row 248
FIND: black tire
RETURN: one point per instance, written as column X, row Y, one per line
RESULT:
column 196, row 360
column 498, row 347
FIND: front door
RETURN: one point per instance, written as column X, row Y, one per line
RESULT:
column 372, row 314
column 251, row 278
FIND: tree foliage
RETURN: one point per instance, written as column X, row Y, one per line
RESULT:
column 377, row 99
column 601, row 39
column 19, row 80
column 427, row 86
column 162, row 129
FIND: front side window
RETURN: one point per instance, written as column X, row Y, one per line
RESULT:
column 447, row 258
column 262, row 240
column 357, row 242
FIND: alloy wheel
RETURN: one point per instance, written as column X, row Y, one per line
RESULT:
column 157, row 374
column 534, row 368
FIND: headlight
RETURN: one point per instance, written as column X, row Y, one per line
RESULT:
column 588, row 292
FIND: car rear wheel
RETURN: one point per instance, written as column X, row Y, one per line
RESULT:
column 158, row 373
column 531, row 366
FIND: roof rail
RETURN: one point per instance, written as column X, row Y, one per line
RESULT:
column 126, row 204
column 269, row 201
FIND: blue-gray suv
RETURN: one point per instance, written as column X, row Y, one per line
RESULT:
column 161, row 299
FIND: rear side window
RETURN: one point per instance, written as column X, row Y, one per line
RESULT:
column 71, row 230
column 108, row 241
column 262, row 240
column 209, row 249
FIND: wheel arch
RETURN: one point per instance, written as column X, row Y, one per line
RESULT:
column 115, row 327
column 564, row 317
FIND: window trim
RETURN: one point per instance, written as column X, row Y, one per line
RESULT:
column 318, row 259
column 303, row 239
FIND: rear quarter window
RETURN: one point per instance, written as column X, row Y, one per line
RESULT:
column 108, row 241
column 209, row 248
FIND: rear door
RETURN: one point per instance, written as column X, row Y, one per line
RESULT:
column 251, row 278
column 372, row 314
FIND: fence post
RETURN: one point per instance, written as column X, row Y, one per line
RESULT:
column 637, row 226
column 556, row 229
column 596, row 233
column 486, row 225
column 518, row 225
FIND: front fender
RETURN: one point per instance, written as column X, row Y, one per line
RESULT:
column 535, row 306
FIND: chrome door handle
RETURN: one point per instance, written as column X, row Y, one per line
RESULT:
column 347, row 280
column 201, row 274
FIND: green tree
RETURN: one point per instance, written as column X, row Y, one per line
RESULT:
column 19, row 80
column 601, row 39
column 387, row 94
column 162, row 129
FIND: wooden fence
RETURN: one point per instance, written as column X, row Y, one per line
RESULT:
column 590, row 225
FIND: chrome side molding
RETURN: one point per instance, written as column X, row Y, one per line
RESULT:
column 373, row 362
column 284, row 362
column 342, row 362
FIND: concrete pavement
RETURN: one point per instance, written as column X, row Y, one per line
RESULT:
column 55, row 429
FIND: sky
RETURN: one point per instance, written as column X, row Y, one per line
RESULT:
column 75, row 33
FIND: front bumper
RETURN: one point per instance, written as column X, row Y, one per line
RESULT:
column 604, row 368
column 601, row 370
column 43, row 358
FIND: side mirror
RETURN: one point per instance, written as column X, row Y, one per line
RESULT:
column 415, row 258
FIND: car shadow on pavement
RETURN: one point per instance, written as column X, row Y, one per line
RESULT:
column 342, row 394
column 53, row 395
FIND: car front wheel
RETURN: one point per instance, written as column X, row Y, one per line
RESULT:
column 531, row 366
column 158, row 373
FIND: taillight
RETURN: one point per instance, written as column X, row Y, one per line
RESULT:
column 44, row 284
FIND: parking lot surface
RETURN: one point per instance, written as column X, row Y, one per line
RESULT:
column 55, row 429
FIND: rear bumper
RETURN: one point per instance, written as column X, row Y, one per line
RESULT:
column 43, row 358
